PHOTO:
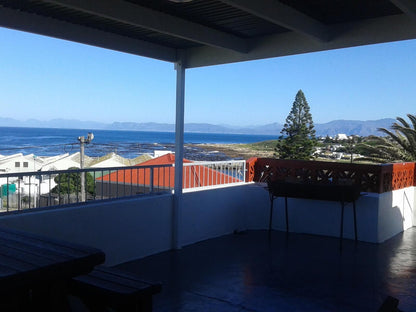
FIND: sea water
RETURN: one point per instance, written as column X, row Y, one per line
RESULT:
column 129, row 144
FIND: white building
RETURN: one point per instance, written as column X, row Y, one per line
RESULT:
column 341, row 137
column 19, row 163
column 62, row 162
column 38, row 184
column 158, row 153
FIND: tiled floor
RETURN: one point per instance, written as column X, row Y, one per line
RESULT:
column 249, row 272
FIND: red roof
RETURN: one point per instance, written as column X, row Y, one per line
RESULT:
column 193, row 176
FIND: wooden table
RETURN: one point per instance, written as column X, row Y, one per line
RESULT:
column 34, row 269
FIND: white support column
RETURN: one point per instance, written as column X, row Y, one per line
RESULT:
column 81, row 165
column 179, row 142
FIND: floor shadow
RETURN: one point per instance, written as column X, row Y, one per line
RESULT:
column 252, row 271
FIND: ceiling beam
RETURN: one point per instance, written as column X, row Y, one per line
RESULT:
column 407, row 6
column 283, row 15
column 37, row 24
column 370, row 31
column 136, row 15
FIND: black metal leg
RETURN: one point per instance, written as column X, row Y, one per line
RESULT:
column 271, row 212
column 287, row 216
column 342, row 224
column 355, row 220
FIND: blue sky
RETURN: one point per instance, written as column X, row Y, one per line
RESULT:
column 45, row 78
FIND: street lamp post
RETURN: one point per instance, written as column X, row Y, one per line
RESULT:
column 83, row 141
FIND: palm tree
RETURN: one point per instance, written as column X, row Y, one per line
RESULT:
column 398, row 145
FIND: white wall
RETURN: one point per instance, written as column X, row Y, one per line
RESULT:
column 124, row 230
column 324, row 217
column 211, row 213
column 414, row 208
column 396, row 212
column 379, row 216
column 134, row 228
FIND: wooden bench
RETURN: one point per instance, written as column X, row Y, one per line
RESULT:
column 35, row 270
column 108, row 287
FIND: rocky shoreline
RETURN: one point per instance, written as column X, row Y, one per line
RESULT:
column 230, row 151
column 195, row 151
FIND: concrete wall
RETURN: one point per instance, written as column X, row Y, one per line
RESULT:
column 134, row 228
column 216, row 212
column 379, row 216
column 124, row 229
column 396, row 212
column 324, row 217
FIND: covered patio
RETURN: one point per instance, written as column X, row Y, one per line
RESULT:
column 248, row 271
column 221, row 271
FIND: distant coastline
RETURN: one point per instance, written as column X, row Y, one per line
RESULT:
column 348, row 127
column 129, row 144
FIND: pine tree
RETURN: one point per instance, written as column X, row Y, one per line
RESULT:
column 298, row 135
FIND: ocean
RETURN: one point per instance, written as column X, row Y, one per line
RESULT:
column 129, row 144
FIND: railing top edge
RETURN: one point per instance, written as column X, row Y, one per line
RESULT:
column 220, row 162
column 331, row 163
column 251, row 159
column 100, row 169
column 401, row 164
column 50, row 172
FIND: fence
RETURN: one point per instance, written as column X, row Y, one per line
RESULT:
column 371, row 178
column 26, row 190
column 208, row 174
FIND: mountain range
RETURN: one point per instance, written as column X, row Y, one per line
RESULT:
column 349, row 127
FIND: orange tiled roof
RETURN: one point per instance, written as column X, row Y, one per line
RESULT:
column 194, row 176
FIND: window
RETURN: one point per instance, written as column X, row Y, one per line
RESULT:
column 26, row 164
column 17, row 164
